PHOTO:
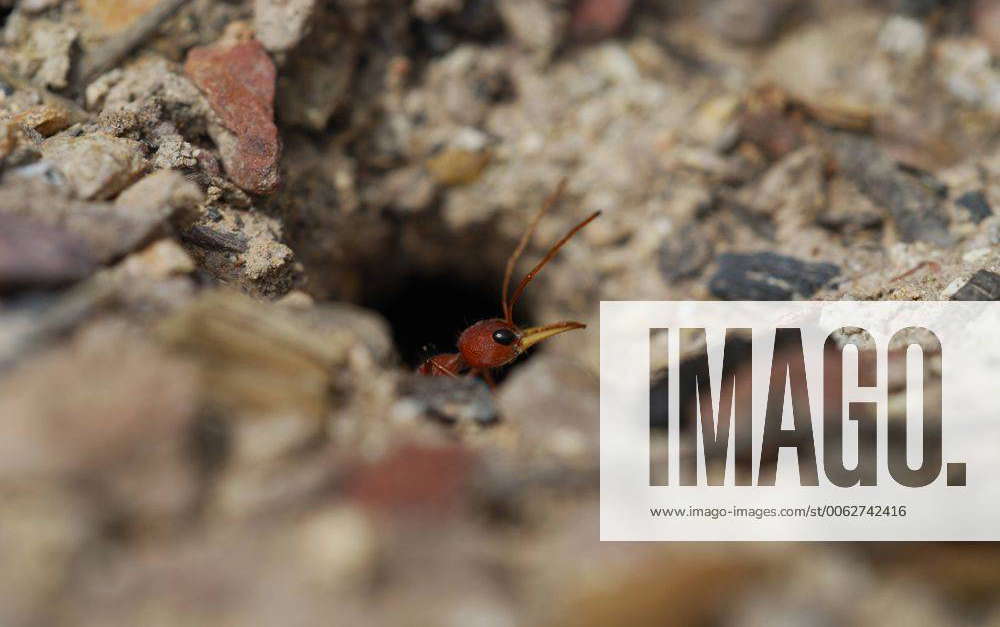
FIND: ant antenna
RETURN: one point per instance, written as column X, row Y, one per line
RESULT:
column 541, row 264
column 512, row 261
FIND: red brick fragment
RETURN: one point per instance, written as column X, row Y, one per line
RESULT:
column 597, row 19
column 415, row 479
column 238, row 78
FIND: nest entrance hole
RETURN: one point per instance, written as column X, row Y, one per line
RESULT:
column 427, row 312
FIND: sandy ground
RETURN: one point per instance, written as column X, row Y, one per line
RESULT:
column 230, row 230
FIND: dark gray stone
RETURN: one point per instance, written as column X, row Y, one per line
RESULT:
column 768, row 276
column 915, row 204
column 920, row 8
column 976, row 204
column 206, row 237
column 984, row 285
column 683, row 255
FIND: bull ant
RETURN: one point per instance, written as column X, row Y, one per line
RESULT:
column 496, row 342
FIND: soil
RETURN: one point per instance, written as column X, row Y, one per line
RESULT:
column 229, row 232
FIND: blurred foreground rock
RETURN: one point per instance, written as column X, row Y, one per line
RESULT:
column 216, row 253
column 34, row 255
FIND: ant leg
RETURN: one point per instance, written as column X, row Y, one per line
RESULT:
column 443, row 370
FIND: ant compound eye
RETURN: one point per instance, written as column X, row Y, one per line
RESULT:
column 504, row 336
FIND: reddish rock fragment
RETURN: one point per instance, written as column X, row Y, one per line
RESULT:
column 986, row 22
column 415, row 479
column 776, row 134
column 597, row 19
column 238, row 78
column 37, row 255
column 769, row 122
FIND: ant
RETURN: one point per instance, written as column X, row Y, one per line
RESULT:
column 490, row 344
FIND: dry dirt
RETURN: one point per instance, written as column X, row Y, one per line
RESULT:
column 228, row 230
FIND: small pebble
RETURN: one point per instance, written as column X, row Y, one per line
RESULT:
column 598, row 19
column 916, row 208
column 904, row 37
column 976, row 204
column 112, row 17
column 683, row 255
column 984, row 285
column 97, row 166
column 769, row 276
column 952, row 288
column 986, row 22
column 747, row 22
column 537, row 25
column 46, row 119
column 281, row 24
column 457, row 166
column 34, row 255
column 238, row 77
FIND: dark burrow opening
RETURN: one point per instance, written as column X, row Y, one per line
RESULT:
column 429, row 280
column 427, row 313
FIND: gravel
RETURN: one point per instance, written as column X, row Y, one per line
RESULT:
column 225, row 225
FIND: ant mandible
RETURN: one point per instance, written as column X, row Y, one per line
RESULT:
column 496, row 342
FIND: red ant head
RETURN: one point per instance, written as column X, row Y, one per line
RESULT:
column 494, row 343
